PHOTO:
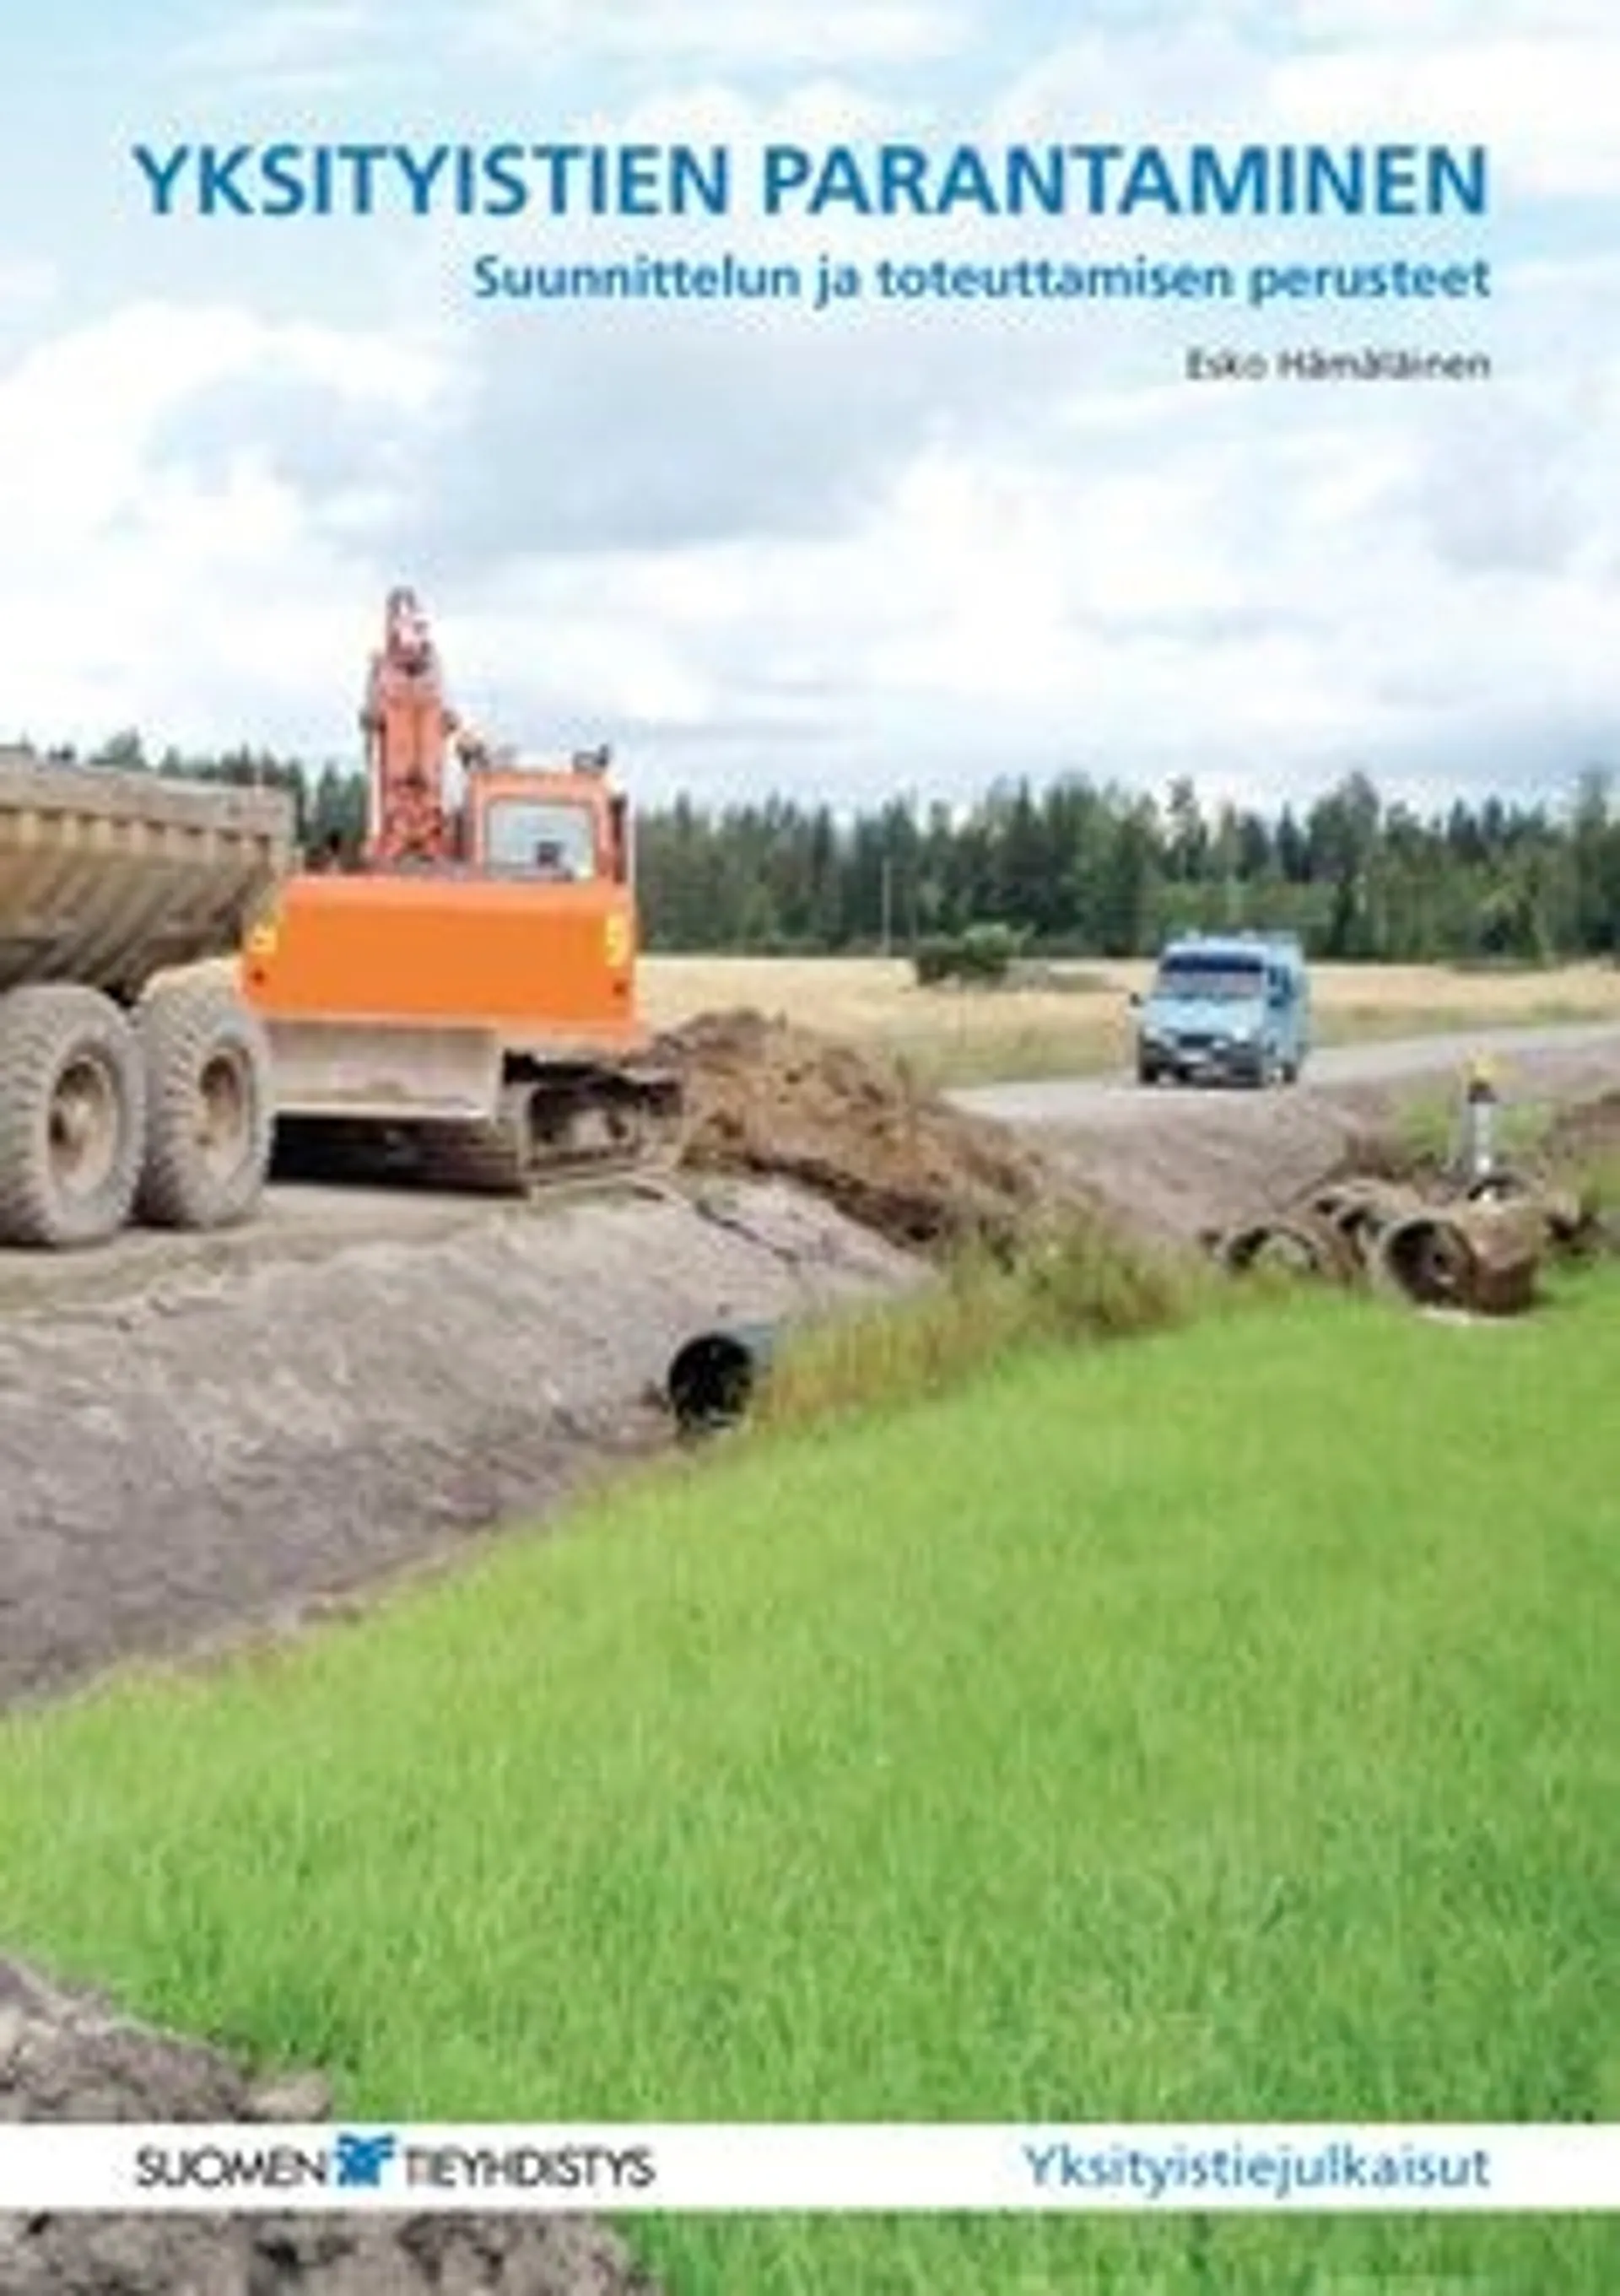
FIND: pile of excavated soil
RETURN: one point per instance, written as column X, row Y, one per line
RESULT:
column 319, row 1402
column 767, row 1096
column 69, row 2056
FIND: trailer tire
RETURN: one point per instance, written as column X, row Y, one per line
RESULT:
column 210, row 1113
column 72, row 1117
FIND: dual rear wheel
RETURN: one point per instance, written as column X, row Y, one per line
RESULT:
column 165, row 1116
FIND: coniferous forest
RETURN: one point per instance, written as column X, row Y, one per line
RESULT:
column 1083, row 868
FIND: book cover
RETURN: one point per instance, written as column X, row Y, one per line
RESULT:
column 809, row 875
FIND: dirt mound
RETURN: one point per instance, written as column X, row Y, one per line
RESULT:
column 767, row 1096
column 69, row 2056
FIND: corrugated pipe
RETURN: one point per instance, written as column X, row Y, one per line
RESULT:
column 715, row 1375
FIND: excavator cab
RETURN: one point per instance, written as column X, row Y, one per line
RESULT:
column 567, row 828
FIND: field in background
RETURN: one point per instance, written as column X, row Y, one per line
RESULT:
column 955, row 1036
column 1137, row 1733
column 985, row 1035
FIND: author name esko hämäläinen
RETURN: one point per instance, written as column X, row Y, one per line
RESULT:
column 1316, row 365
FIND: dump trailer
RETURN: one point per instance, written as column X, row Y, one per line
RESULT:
column 456, row 1000
column 129, row 1088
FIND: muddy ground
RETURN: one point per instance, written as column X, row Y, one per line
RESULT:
column 205, row 1436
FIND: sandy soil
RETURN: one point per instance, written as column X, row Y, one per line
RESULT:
column 764, row 1095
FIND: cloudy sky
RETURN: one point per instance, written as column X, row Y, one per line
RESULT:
column 852, row 554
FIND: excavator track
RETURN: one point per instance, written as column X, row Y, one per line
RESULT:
column 553, row 1131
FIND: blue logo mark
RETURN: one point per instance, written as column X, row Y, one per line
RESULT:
column 362, row 2160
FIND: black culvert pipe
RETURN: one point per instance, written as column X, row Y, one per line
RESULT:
column 714, row 1376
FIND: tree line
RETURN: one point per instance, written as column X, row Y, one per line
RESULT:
column 1083, row 868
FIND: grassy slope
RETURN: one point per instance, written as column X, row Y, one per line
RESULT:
column 1223, row 1726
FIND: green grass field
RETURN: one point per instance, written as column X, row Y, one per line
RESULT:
column 1223, row 1725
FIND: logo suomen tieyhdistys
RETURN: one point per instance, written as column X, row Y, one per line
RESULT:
column 359, row 2161
column 354, row 2160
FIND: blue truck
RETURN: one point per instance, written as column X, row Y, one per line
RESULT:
column 1226, row 1009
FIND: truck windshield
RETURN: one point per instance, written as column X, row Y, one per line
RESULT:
column 543, row 837
column 1222, row 977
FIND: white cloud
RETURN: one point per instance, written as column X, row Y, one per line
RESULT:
column 1459, row 22
column 1534, row 82
column 146, row 593
column 734, row 37
column 25, row 283
column 880, row 552
column 1259, row 607
column 1199, row 75
column 1544, row 106
column 79, row 414
column 814, row 109
column 1139, row 582
column 294, row 42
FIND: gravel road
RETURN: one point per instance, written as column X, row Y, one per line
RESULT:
column 1176, row 1163
column 1539, row 1051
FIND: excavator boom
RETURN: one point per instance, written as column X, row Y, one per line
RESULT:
column 407, row 729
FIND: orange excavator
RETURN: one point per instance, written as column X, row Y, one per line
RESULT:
column 460, row 999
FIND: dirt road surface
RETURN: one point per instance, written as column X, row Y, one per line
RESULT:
column 1551, row 1053
column 1175, row 1163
